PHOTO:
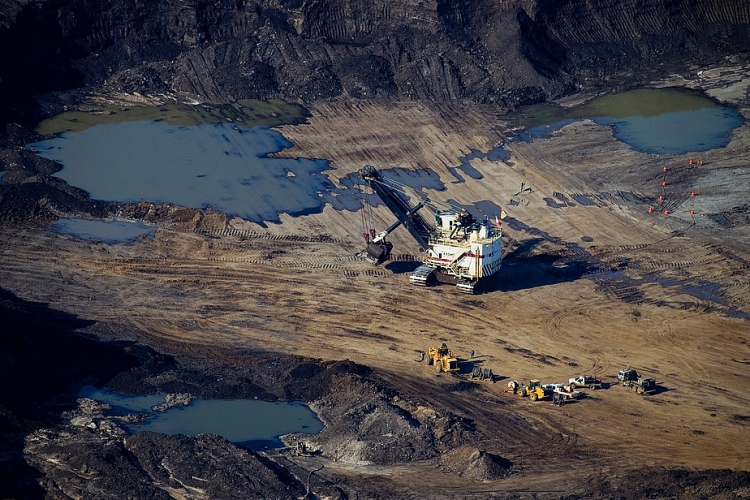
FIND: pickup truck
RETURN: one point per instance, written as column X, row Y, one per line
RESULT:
column 585, row 381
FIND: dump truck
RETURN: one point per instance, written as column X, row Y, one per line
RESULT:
column 442, row 358
column 641, row 385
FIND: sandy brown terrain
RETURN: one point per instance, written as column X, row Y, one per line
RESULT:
column 585, row 288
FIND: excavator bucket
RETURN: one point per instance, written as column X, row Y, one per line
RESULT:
column 377, row 253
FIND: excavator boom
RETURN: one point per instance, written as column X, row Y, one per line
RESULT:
column 395, row 201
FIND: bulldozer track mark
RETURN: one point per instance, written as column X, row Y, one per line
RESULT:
column 587, row 199
column 347, row 258
column 597, row 273
column 630, row 248
column 613, row 251
column 240, row 233
column 196, row 270
column 405, row 257
column 653, row 265
column 276, row 263
column 575, row 249
column 625, row 292
column 373, row 273
column 663, row 249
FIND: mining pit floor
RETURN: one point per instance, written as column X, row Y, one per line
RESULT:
column 588, row 288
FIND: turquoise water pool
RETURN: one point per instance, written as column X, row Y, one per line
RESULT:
column 247, row 422
column 660, row 121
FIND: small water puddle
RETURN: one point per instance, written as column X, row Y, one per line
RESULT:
column 246, row 422
column 661, row 121
column 107, row 231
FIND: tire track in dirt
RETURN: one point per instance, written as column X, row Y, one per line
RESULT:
column 556, row 333
column 694, row 366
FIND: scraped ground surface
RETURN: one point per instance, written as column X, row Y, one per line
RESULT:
column 591, row 283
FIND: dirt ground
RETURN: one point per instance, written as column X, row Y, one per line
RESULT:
column 586, row 287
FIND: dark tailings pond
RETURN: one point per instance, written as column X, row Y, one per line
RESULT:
column 662, row 121
column 249, row 423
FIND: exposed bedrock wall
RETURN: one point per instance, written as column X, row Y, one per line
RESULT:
column 507, row 52
column 598, row 37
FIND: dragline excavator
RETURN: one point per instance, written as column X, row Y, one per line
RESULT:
column 459, row 250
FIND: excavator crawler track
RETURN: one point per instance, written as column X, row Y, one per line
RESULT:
column 421, row 275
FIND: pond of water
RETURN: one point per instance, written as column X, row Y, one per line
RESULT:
column 661, row 121
column 107, row 231
column 230, row 167
column 250, row 423
column 223, row 166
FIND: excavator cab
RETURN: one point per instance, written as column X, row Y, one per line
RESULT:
column 464, row 218
column 443, row 350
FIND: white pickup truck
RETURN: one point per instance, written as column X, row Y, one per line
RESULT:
column 585, row 381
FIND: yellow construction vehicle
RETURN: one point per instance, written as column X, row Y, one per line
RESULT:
column 442, row 358
column 534, row 390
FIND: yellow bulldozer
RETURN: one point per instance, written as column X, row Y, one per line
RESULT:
column 534, row 390
column 442, row 358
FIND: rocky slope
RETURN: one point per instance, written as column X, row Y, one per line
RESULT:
column 507, row 53
column 54, row 446
column 45, row 363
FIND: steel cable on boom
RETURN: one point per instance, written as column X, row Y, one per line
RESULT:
column 434, row 207
column 366, row 215
column 400, row 188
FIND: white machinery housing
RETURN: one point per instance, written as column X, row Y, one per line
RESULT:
column 459, row 249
